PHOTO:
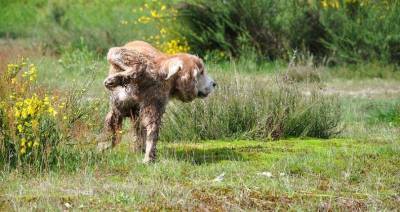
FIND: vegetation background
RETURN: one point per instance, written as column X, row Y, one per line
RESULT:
column 306, row 115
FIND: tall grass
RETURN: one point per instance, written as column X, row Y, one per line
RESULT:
column 245, row 108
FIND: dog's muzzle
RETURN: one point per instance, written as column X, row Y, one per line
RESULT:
column 202, row 95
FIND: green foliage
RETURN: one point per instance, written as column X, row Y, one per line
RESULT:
column 60, row 23
column 271, row 28
column 233, row 27
column 351, row 32
column 19, row 18
column 364, row 32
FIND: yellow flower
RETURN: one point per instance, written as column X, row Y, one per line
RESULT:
column 46, row 100
column 23, row 150
column 324, row 4
column 17, row 114
column 154, row 14
column 32, row 78
column 35, row 124
column 52, row 111
column 36, row 143
column 23, row 141
column 20, row 128
column 24, row 114
column 31, row 110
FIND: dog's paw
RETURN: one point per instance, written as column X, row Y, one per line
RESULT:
column 112, row 82
column 102, row 146
column 148, row 160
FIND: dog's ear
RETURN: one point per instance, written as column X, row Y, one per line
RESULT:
column 173, row 66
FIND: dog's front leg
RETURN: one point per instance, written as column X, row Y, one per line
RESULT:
column 151, row 120
column 120, row 79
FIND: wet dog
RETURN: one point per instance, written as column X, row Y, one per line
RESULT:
column 142, row 80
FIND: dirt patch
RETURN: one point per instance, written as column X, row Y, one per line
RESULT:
column 343, row 204
column 371, row 88
column 5, row 205
column 364, row 92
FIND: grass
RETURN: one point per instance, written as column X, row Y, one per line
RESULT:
column 246, row 147
column 336, row 174
column 357, row 169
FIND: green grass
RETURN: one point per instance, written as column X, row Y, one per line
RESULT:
column 59, row 24
column 357, row 107
column 356, row 170
column 339, row 174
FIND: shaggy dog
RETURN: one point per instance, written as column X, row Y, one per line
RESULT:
column 142, row 80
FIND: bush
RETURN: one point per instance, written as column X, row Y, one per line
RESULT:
column 363, row 31
column 40, row 129
column 29, row 119
column 233, row 26
column 272, row 28
column 347, row 31
column 253, row 109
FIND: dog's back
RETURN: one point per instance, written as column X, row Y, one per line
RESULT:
column 145, row 49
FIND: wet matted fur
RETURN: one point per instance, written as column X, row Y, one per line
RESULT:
column 141, row 81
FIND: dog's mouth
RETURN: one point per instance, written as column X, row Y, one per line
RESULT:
column 202, row 95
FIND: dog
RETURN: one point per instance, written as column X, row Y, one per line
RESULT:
column 141, row 81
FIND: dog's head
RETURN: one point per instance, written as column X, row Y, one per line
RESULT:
column 188, row 77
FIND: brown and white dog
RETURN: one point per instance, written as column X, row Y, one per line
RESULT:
column 142, row 80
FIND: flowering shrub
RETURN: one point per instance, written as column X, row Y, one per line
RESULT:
column 161, row 16
column 29, row 132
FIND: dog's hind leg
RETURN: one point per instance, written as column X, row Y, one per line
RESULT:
column 113, row 124
column 139, row 144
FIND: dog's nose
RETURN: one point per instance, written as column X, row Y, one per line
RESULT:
column 214, row 84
